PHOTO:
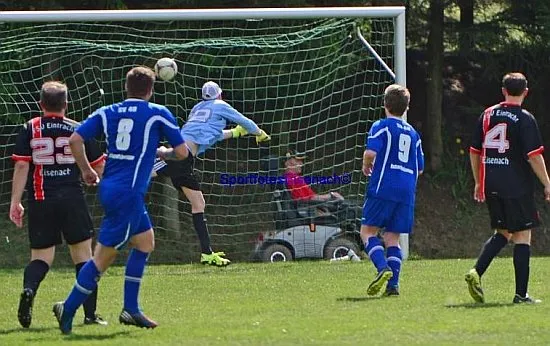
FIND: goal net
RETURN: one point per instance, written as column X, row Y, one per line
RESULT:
column 310, row 83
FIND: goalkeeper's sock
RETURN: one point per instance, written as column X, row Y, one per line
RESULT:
column 490, row 250
column 394, row 262
column 86, row 283
column 89, row 304
column 132, row 279
column 522, row 255
column 35, row 272
column 375, row 250
column 202, row 232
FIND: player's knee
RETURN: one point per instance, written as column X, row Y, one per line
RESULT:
column 523, row 237
column 198, row 204
column 46, row 255
column 391, row 239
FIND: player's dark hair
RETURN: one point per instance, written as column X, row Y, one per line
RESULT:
column 53, row 96
column 396, row 99
column 139, row 81
column 515, row 83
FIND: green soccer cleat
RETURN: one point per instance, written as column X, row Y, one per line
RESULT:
column 215, row 259
column 474, row 286
column 379, row 281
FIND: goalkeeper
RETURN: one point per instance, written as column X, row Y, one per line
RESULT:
column 202, row 130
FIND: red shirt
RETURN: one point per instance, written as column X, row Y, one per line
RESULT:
column 299, row 190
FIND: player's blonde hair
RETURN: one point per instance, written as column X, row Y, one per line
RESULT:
column 53, row 96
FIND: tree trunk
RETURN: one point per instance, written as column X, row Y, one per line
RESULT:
column 466, row 26
column 435, row 85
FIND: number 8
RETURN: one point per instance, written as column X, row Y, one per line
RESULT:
column 123, row 134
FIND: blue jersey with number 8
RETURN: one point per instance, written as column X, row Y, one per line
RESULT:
column 399, row 158
column 133, row 130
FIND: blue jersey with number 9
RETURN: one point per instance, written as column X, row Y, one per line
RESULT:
column 133, row 130
column 399, row 158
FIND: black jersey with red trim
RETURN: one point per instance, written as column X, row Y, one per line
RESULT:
column 505, row 137
column 53, row 173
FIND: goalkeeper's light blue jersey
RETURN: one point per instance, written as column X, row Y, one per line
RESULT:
column 132, row 130
column 399, row 158
column 208, row 119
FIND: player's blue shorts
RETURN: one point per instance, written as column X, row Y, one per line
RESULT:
column 393, row 216
column 125, row 216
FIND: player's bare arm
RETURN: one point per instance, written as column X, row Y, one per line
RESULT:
column 178, row 153
column 474, row 163
column 539, row 167
column 17, row 211
column 76, row 142
column 368, row 161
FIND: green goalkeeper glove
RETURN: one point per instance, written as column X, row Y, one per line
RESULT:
column 262, row 137
column 238, row 131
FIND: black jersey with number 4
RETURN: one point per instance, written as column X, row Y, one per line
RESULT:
column 506, row 136
column 53, row 173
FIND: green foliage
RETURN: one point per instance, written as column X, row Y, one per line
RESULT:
column 304, row 303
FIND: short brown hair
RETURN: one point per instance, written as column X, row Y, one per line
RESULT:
column 139, row 81
column 515, row 83
column 53, row 96
column 396, row 99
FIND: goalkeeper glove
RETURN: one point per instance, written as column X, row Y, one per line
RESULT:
column 238, row 131
column 262, row 137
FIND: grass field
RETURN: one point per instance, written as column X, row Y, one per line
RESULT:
column 301, row 303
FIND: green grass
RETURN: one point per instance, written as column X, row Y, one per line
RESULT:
column 301, row 303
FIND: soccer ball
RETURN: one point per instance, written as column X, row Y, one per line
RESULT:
column 166, row 69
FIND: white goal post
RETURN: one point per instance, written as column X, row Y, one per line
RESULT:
column 397, row 13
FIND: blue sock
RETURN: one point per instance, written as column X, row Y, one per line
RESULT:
column 394, row 262
column 86, row 283
column 132, row 280
column 375, row 250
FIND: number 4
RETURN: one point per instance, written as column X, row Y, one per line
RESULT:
column 495, row 138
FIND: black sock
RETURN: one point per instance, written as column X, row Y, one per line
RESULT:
column 522, row 254
column 202, row 231
column 35, row 272
column 90, row 303
column 490, row 250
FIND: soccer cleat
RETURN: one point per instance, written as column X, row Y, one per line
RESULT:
column 391, row 292
column 65, row 321
column 137, row 319
column 24, row 313
column 379, row 281
column 215, row 259
column 474, row 286
column 525, row 300
column 96, row 319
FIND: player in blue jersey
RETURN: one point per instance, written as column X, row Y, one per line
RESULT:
column 133, row 129
column 202, row 130
column 393, row 159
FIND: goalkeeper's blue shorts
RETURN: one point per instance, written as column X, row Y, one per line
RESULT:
column 395, row 217
column 125, row 216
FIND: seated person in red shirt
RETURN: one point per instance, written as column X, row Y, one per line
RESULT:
column 299, row 190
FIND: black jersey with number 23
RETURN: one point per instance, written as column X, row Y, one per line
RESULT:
column 53, row 173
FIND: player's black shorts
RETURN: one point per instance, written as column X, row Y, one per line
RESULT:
column 181, row 173
column 50, row 219
column 513, row 214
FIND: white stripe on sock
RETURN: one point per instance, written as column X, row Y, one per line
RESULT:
column 395, row 259
column 82, row 289
column 377, row 247
column 132, row 278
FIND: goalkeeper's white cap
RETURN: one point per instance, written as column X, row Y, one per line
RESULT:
column 210, row 91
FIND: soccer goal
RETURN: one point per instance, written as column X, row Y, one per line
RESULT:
column 311, row 77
